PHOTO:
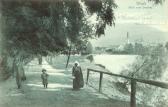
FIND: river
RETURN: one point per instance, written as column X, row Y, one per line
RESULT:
column 115, row 63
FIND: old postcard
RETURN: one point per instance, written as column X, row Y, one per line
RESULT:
column 83, row 53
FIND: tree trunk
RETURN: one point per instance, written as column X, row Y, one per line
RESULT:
column 23, row 77
column 40, row 59
column 51, row 61
column 18, row 80
column 69, row 54
column 6, row 70
column 18, row 69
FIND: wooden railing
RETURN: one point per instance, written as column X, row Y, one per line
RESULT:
column 133, row 83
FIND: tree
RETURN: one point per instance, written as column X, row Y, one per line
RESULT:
column 129, row 49
column 150, row 67
column 139, row 49
column 166, row 45
column 89, row 48
column 157, row 1
column 37, row 27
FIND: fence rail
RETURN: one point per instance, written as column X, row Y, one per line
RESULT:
column 133, row 83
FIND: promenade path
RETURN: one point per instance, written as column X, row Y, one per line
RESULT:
column 58, row 94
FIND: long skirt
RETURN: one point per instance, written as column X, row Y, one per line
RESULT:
column 78, row 82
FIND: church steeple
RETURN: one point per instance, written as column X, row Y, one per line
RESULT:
column 128, row 41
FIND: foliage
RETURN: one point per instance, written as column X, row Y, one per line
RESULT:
column 90, row 58
column 89, row 48
column 154, row 64
column 157, row 1
column 139, row 49
column 40, row 27
column 166, row 45
column 150, row 67
column 129, row 48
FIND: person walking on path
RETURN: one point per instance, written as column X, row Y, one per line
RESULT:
column 44, row 77
column 78, row 81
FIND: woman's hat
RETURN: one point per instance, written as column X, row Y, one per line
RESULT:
column 43, row 70
column 76, row 62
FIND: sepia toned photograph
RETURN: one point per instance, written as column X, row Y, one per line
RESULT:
column 83, row 53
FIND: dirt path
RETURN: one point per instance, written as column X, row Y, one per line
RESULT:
column 58, row 94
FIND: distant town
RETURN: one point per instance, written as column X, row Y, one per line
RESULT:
column 130, row 47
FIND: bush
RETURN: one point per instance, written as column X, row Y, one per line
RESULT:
column 149, row 67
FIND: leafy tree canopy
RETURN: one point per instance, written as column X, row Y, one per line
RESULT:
column 31, row 27
column 40, row 26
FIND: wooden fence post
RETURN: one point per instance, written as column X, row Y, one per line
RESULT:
column 100, row 82
column 133, row 93
column 87, row 76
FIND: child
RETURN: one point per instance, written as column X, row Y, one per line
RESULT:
column 44, row 77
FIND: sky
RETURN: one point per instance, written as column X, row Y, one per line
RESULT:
column 142, row 19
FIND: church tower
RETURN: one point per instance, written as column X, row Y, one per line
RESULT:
column 128, row 41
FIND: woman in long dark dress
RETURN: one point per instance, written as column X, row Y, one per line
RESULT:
column 78, row 76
